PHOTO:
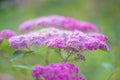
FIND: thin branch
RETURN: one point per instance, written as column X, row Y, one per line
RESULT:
column 47, row 58
column 67, row 57
column 60, row 54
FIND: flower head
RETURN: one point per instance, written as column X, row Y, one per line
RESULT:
column 59, row 22
column 60, row 71
column 19, row 41
column 27, row 25
column 7, row 33
column 56, row 42
column 82, row 41
column 99, row 36
column 60, row 39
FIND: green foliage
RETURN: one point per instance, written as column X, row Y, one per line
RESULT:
column 18, row 53
column 36, row 79
column 23, row 67
column 5, row 47
column 114, row 75
column 40, row 49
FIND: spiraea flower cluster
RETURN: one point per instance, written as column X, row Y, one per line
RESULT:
column 6, row 34
column 58, row 22
column 61, row 39
column 59, row 71
column 83, row 41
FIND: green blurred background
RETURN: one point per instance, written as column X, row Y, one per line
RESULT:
column 99, row 65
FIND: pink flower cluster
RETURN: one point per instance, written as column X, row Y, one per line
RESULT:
column 59, row 22
column 38, row 38
column 60, row 71
column 26, row 40
column 61, row 39
column 84, row 41
column 6, row 34
column 99, row 36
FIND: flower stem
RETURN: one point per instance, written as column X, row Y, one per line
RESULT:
column 67, row 57
column 47, row 58
column 61, row 55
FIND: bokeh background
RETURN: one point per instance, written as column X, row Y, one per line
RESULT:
column 99, row 65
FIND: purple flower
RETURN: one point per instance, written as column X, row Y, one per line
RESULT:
column 27, row 25
column 73, row 24
column 61, row 39
column 99, row 36
column 58, row 21
column 37, row 71
column 91, row 44
column 60, row 71
column 36, row 38
column 7, row 33
column 104, row 46
column 87, row 26
column 43, row 21
column 19, row 41
column 73, row 42
column 79, row 35
column 56, row 42
column 82, row 41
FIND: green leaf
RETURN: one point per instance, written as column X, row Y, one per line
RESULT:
column 23, row 67
column 5, row 47
column 17, row 54
column 114, row 75
column 63, row 54
column 40, row 49
column 36, row 79
column 107, row 66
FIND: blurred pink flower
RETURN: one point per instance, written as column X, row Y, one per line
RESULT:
column 59, row 71
column 60, row 39
column 7, row 33
column 59, row 22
